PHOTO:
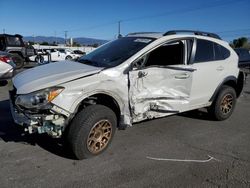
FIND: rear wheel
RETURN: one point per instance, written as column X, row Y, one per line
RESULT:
column 18, row 60
column 91, row 131
column 39, row 59
column 68, row 57
column 223, row 106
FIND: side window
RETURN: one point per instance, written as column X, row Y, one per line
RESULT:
column 225, row 52
column 61, row 50
column 221, row 52
column 210, row 51
column 167, row 54
column 204, row 51
column 13, row 41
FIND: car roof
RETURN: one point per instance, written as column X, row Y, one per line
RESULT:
column 8, row 35
column 191, row 33
column 146, row 34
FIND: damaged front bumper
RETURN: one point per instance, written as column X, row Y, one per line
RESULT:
column 53, row 123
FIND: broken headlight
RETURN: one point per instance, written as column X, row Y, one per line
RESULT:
column 39, row 99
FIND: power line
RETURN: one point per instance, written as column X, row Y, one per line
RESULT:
column 65, row 35
column 233, row 31
column 93, row 27
column 234, row 35
column 205, row 5
column 202, row 6
column 185, row 10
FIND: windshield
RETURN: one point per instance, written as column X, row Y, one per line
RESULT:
column 116, row 52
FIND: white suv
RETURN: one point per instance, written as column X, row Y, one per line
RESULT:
column 134, row 78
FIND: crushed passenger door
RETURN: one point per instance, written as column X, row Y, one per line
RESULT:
column 156, row 91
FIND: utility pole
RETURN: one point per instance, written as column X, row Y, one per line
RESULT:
column 56, row 38
column 65, row 33
column 3, row 31
column 119, row 29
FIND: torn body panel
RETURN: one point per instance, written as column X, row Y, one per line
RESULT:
column 63, row 108
column 109, row 82
column 156, row 92
column 52, row 122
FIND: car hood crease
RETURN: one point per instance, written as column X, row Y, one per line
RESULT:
column 50, row 75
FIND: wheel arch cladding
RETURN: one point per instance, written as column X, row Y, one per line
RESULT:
column 231, row 81
column 103, row 99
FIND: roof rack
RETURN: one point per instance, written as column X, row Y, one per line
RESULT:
column 202, row 33
column 137, row 33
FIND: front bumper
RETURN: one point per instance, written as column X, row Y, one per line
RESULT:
column 52, row 124
column 20, row 118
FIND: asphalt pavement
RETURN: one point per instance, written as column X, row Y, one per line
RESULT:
column 194, row 151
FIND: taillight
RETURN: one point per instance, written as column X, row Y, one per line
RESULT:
column 5, row 59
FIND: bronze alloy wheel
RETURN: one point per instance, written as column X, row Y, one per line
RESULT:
column 226, row 104
column 99, row 136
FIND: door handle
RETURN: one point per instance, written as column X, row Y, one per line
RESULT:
column 220, row 68
column 182, row 76
column 142, row 74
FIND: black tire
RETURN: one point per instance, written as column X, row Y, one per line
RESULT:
column 224, row 104
column 83, row 135
column 37, row 59
column 18, row 60
column 40, row 59
column 68, row 57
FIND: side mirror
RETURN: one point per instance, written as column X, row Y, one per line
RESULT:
column 137, row 64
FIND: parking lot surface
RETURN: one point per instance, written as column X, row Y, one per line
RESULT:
column 40, row 161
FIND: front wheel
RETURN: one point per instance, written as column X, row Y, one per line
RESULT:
column 91, row 131
column 224, row 104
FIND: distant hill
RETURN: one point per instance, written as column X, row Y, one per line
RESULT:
column 60, row 40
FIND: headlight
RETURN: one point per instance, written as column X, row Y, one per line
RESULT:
column 39, row 99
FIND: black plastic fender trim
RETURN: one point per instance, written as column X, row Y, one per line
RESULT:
column 229, row 78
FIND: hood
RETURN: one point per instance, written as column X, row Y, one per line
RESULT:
column 51, row 74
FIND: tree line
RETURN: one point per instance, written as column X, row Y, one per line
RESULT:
column 241, row 42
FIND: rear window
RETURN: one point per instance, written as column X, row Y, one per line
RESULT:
column 13, row 41
column 221, row 52
column 210, row 51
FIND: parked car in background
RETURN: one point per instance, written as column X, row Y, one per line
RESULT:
column 53, row 54
column 67, row 54
column 7, row 66
column 79, row 52
column 15, row 45
column 244, row 57
column 39, row 57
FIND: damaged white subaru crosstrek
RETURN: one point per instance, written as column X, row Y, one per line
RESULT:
column 134, row 78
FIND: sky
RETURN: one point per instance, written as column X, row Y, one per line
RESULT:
column 99, row 19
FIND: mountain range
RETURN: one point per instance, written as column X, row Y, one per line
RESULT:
column 60, row 40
